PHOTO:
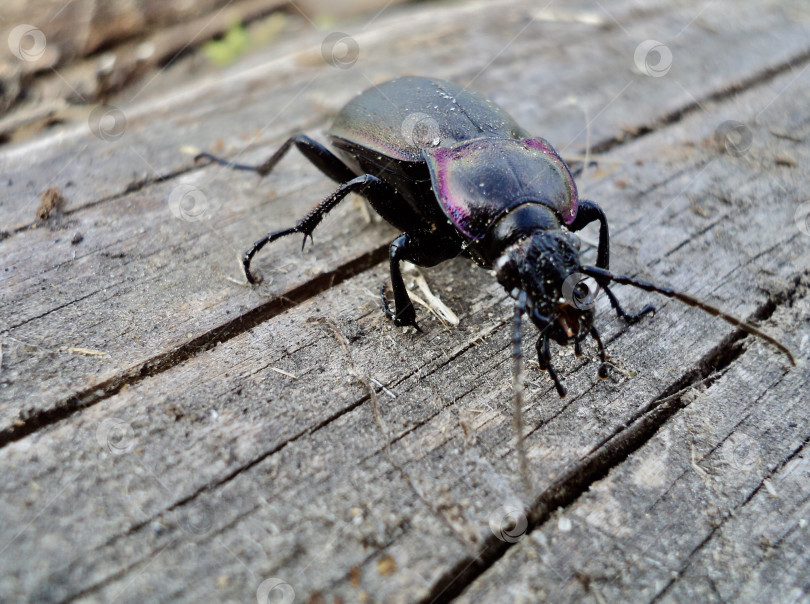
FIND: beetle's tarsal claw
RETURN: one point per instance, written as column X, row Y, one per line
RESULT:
column 603, row 371
column 404, row 318
column 251, row 278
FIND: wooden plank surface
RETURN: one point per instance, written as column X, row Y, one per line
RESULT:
column 96, row 297
column 187, row 463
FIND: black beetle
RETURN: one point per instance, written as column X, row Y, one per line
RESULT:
column 458, row 176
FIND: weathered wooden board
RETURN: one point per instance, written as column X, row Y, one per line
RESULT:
column 712, row 508
column 217, row 471
column 99, row 298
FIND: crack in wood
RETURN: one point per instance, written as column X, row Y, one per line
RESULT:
column 163, row 361
column 625, row 441
column 688, row 561
column 762, row 77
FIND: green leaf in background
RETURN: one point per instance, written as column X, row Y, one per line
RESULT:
column 225, row 50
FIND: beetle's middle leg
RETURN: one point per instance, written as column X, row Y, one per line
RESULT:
column 421, row 249
column 364, row 185
column 587, row 212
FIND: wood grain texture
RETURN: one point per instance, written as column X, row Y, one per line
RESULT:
column 96, row 297
column 225, row 438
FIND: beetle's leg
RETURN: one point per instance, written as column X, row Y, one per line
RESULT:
column 323, row 159
column 362, row 184
column 421, row 249
column 587, row 212
column 630, row 318
column 603, row 372
column 544, row 358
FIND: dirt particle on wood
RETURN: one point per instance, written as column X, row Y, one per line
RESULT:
column 785, row 160
column 386, row 565
column 52, row 199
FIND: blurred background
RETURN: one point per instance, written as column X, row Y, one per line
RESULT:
column 85, row 52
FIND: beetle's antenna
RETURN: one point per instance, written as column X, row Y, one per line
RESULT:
column 600, row 273
column 517, row 388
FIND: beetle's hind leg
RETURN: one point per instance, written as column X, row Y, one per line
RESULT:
column 363, row 185
column 321, row 157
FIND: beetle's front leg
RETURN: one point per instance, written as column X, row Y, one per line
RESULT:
column 587, row 212
column 364, row 185
column 421, row 249
column 544, row 359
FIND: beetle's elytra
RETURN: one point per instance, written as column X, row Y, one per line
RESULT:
column 458, row 176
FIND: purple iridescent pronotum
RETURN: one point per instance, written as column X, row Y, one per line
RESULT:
column 458, row 176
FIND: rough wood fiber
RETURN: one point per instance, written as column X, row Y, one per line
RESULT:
column 141, row 288
column 219, row 470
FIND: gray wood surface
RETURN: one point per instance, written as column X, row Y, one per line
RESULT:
column 170, row 433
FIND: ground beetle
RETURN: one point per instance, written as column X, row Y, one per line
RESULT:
column 458, row 176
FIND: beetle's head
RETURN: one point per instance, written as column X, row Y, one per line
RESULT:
column 546, row 266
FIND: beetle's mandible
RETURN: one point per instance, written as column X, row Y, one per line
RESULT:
column 458, row 176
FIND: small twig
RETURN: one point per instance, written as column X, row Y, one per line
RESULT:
column 383, row 388
column 282, row 372
column 441, row 308
column 701, row 472
column 89, row 352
